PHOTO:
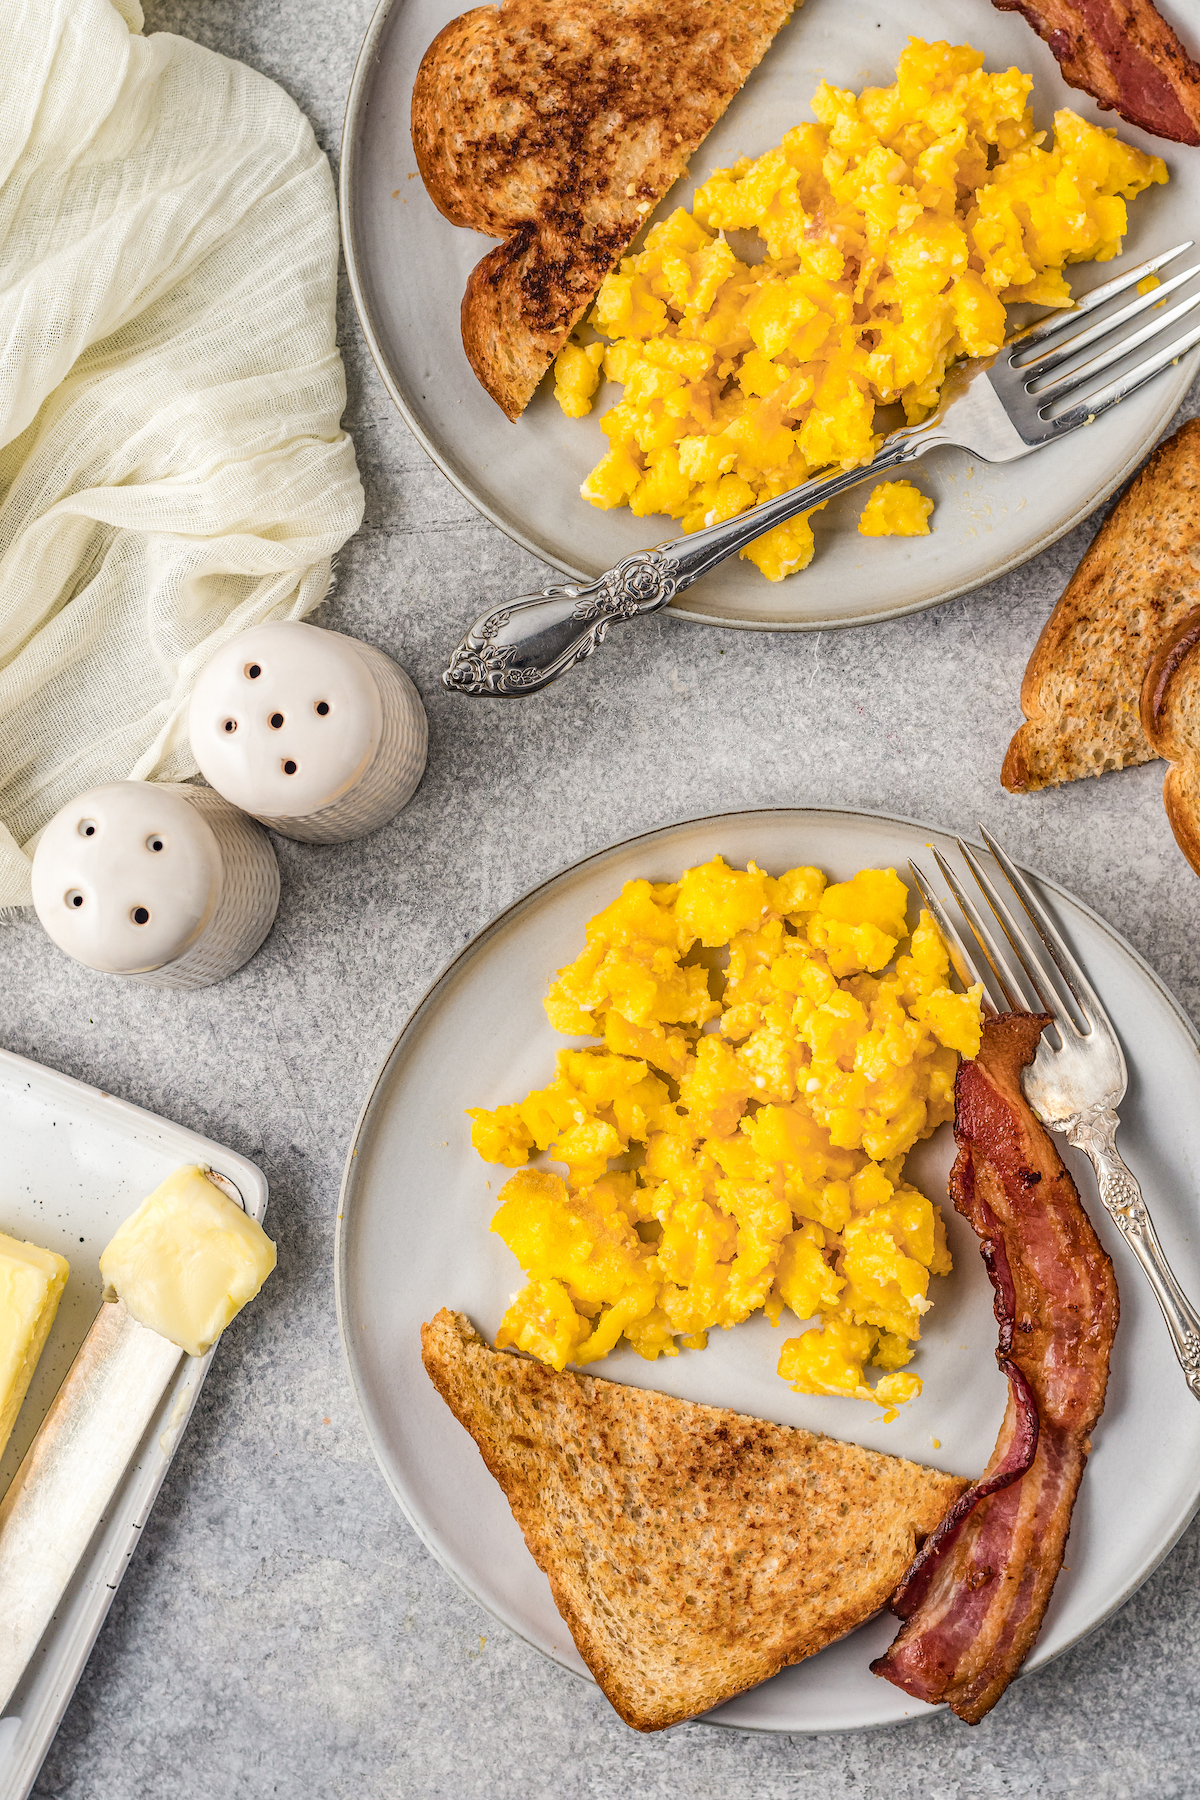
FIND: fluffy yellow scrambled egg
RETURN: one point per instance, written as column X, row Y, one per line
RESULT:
column 896, row 509
column 726, row 1154
column 897, row 227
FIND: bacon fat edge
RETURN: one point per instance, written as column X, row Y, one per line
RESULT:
column 1125, row 55
column 974, row 1596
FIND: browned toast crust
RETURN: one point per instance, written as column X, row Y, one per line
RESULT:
column 693, row 1552
column 1181, row 797
column 558, row 125
column 1141, row 576
column 520, row 305
column 1171, row 722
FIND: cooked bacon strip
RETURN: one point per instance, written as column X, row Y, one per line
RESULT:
column 974, row 1596
column 1125, row 55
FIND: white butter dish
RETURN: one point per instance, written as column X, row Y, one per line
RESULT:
column 76, row 1163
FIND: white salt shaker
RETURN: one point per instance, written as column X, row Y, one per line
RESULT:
column 319, row 736
column 159, row 882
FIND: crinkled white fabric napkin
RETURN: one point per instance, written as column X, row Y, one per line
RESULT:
column 172, row 463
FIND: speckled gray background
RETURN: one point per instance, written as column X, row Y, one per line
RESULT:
column 281, row 1631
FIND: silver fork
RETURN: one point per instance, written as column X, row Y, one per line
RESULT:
column 998, row 408
column 1076, row 1084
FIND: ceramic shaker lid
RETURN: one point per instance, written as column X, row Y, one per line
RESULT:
column 285, row 718
column 126, row 877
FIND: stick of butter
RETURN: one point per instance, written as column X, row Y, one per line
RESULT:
column 31, row 1283
column 187, row 1261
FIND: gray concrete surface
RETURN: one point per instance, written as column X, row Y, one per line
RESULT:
column 282, row 1632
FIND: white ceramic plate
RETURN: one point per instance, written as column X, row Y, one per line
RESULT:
column 408, row 267
column 75, row 1163
column 413, row 1236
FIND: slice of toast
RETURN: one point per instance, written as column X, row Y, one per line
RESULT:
column 1081, row 691
column 558, row 125
column 1126, row 56
column 1171, row 722
column 692, row 1552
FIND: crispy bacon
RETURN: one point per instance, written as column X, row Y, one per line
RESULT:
column 974, row 1596
column 1126, row 56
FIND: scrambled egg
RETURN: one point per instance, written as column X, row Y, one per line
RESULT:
column 897, row 227
column 728, row 1154
column 896, row 509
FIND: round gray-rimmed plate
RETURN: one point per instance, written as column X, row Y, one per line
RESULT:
column 413, row 1236
column 408, row 267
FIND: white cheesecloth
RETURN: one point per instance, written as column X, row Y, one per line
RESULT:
column 172, row 463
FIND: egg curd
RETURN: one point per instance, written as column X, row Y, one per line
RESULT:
column 896, row 229
column 896, row 509
column 726, row 1154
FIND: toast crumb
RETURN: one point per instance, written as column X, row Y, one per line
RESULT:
column 693, row 1552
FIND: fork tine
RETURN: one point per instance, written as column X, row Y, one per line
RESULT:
column 1066, row 384
column 960, row 958
column 1078, row 985
column 1092, row 406
column 1019, row 944
column 1037, row 366
column 993, row 956
column 1100, row 296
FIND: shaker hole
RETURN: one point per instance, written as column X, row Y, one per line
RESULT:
column 140, row 915
column 253, row 671
column 74, row 898
column 289, row 767
column 276, row 721
column 322, row 707
column 87, row 828
column 154, row 843
column 229, row 725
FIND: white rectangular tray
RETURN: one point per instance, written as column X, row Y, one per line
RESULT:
column 74, row 1162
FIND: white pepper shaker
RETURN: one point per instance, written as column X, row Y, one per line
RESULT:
column 319, row 736
column 162, row 883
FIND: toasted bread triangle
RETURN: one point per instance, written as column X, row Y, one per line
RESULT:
column 1141, row 576
column 558, row 125
column 693, row 1552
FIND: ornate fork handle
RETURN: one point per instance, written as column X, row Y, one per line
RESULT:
column 1094, row 1132
column 528, row 643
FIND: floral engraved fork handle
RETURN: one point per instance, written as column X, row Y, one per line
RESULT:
column 526, row 644
column 1094, row 1132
